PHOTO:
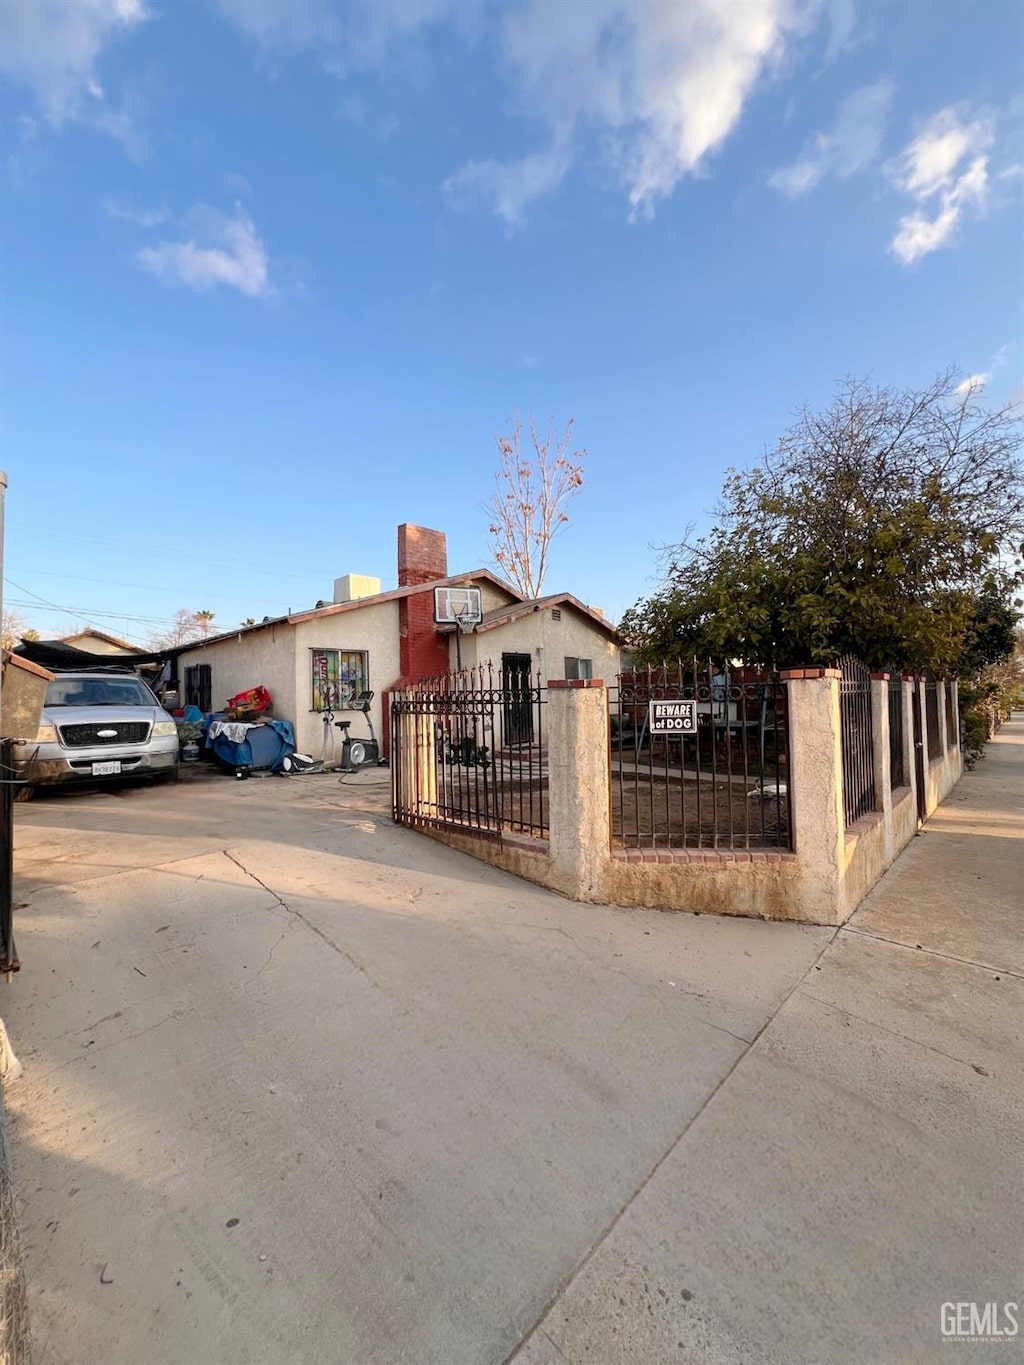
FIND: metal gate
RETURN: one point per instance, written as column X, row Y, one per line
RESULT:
column 467, row 753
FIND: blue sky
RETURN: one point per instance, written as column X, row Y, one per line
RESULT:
column 276, row 272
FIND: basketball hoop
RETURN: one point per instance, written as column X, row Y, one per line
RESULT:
column 467, row 617
column 459, row 607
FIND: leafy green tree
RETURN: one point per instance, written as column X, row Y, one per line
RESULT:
column 875, row 528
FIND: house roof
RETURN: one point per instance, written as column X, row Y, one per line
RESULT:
column 501, row 616
column 337, row 608
column 100, row 635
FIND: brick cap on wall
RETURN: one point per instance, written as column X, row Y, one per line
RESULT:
column 795, row 674
column 575, row 682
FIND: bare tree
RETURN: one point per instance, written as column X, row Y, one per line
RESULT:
column 186, row 626
column 13, row 630
column 528, row 509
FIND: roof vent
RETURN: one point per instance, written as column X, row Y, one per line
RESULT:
column 556, row 614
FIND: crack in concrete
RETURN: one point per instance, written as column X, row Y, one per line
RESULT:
column 270, row 957
column 554, row 1345
column 290, row 909
column 933, row 952
column 259, row 882
column 893, row 1033
column 115, row 1042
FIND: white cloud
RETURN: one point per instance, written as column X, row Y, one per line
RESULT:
column 842, row 20
column 509, row 186
column 851, row 145
column 54, row 46
column 945, row 169
column 359, row 33
column 295, row 23
column 144, row 218
column 222, row 250
column 973, row 381
column 661, row 82
column 667, row 81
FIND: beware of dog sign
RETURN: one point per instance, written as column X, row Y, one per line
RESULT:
column 672, row 717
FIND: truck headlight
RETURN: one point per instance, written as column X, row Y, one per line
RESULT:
column 46, row 734
column 163, row 728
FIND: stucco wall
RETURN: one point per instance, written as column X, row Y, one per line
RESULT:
column 373, row 629
column 548, row 642
column 766, row 885
column 941, row 776
column 252, row 658
column 92, row 644
column 278, row 658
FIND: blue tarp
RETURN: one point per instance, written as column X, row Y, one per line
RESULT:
column 265, row 746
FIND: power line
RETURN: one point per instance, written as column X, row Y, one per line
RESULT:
column 135, row 587
column 91, row 612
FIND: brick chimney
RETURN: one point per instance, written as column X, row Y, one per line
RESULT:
column 422, row 555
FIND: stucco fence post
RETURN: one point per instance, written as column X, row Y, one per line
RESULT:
column 816, row 789
column 579, row 786
column 881, row 756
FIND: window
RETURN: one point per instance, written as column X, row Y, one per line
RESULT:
column 98, row 691
column 578, row 668
column 199, row 687
column 337, row 676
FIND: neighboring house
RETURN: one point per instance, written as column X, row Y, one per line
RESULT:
column 368, row 640
column 94, row 641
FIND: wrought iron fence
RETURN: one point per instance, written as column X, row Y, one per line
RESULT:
column 722, row 783
column 858, row 739
column 931, row 712
column 468, row 752
column 896, row 772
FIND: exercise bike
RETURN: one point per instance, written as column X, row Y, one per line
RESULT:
column 359, row 753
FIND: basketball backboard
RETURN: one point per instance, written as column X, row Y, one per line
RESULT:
column 457, row 606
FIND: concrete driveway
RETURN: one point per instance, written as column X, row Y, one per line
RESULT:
column 303, row 1087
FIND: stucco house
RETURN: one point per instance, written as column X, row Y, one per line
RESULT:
column 94, row 641
column 369, row 640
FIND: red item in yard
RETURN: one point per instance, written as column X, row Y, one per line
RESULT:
column 256, row 699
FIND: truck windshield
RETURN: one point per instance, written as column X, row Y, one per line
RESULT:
column 98, row 692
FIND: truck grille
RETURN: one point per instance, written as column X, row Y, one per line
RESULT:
column 87, row 736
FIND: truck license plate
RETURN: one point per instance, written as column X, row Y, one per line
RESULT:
column 105, row 769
